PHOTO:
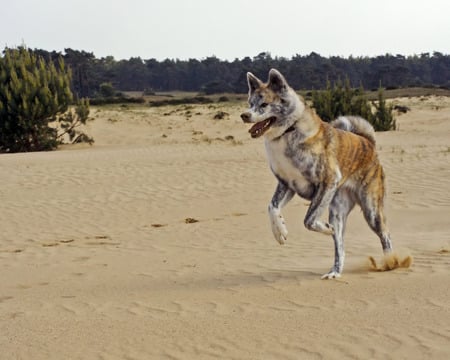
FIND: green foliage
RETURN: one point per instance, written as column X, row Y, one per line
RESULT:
column 107, row 90
column 341, row 99
column 383, row 118
column 33, row 94
column 116, row 100
column 307, row 71
column 71, row 120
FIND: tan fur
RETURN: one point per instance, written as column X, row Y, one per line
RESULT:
column 353, row 155
column 335, row 165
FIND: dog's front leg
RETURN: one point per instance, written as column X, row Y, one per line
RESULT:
column 280, row 198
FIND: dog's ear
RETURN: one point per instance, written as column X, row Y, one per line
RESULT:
column 253, row 82
column 277, row 82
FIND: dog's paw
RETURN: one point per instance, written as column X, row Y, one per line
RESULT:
column 280, row 231
column 281, row 239
column 333, row 274
column 278, row 224
column 319, row 226
column 324, row 228
column 329, row 229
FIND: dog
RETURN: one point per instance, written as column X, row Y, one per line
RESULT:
column 333, row 165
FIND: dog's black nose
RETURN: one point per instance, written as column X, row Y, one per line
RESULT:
column 245, row 117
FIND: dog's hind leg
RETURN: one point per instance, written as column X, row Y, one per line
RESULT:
column 283, row 194
column 373, row 213
column 372, row 204
column 340, row 207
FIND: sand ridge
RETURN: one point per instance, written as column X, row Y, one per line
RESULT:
column 155, row 244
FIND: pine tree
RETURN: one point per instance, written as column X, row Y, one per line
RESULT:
column 383, row 118
column 33, row 93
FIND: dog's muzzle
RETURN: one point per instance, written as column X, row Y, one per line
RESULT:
column 246, row 117
column 260, row 127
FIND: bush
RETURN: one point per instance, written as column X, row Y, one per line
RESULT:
column 71, row 120
column 223, row 99
column 116, row 100
column 33, row 94
column 343, row 100
column 107, row 90
column 383, row 119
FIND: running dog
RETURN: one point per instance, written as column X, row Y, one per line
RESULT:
column 334, row 165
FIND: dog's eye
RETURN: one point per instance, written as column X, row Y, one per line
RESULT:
column 263, row 105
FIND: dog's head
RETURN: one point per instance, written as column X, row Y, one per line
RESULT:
column 272, row 105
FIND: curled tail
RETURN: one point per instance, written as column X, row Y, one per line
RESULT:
column 356, row 125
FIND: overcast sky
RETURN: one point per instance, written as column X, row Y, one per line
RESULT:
column 227, row 29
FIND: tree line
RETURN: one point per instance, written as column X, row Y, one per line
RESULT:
column 212, row 75
column 37, row 87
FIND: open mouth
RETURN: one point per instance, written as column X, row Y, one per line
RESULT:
column 261, row 127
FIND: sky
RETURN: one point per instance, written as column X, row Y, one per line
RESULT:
column 227, row 29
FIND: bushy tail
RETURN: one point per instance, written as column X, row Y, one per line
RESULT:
column 356, row 125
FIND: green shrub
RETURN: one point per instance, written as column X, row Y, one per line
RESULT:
column 223, row 98
column 116, row 100
column 383, row 119
column 341, row 99
column 107, row 90
column 71, row 120
column 33, row 94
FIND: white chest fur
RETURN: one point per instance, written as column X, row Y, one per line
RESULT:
column 283, row 167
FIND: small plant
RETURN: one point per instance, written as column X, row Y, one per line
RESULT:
column 71, row 121
column 223, row 99
column 383, row 119
column 106, row 90
column 220, row 115
column 341, row 99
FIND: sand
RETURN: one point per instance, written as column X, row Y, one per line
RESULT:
column 155, row 244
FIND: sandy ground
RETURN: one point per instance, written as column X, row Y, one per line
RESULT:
column 155, row 244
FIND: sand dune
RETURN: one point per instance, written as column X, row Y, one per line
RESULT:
column 155, row 244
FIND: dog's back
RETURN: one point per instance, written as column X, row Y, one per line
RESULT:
column 353, row 146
